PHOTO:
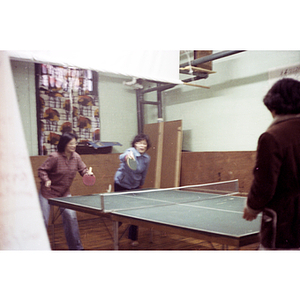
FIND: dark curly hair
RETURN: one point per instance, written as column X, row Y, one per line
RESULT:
column 141, row 137
column 284, row 97
column 64, row 140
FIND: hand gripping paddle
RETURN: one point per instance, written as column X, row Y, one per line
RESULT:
column 89, row 180
column 131, row 163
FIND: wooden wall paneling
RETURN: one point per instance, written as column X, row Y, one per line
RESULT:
column 104, row 167
column 196, row 167
column 171, row 154
column 203, row 53
column 152, row 130
column 159, row 157
column 205, row 167
column 166, row 140
column 36, row 161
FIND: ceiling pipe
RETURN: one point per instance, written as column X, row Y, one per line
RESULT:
column 211, row 57
column 170, row 85
column 159, row 88
column 194, row 63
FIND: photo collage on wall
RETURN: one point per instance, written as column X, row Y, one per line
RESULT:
column 67, row 102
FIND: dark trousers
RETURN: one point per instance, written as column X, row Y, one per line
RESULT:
column 133, row 230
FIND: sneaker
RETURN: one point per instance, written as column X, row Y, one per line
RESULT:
column 134, row 243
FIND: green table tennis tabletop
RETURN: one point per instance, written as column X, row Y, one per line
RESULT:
column 217, row 218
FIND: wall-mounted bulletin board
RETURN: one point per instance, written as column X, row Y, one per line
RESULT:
column 67, row 101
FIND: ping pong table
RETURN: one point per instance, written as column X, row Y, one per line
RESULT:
column 204, row 216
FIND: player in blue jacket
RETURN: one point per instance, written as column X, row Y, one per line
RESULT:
column 127, row 179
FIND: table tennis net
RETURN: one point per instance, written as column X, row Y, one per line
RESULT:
column 222, row 187
column 144, row 198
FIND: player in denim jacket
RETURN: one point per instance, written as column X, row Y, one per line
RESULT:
column 127, row 179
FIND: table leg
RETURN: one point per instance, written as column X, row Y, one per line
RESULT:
column 116, row 234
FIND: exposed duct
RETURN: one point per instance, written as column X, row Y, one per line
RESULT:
column 211, row 57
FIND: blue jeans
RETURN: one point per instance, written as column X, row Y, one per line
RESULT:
column 70, row 223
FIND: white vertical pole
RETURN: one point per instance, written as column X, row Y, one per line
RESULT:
column 21, row 222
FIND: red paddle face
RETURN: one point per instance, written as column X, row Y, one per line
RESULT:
column 89, row 180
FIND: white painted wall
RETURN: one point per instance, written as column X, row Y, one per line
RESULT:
column 23, row 73
column 118, row 113
column 229, row 116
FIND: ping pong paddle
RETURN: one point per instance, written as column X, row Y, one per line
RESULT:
column 89, row 180
column 131, row 163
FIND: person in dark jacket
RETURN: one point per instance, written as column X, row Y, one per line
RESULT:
column 275, row 189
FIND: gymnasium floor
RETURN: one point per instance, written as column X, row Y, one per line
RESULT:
column 96, row 234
